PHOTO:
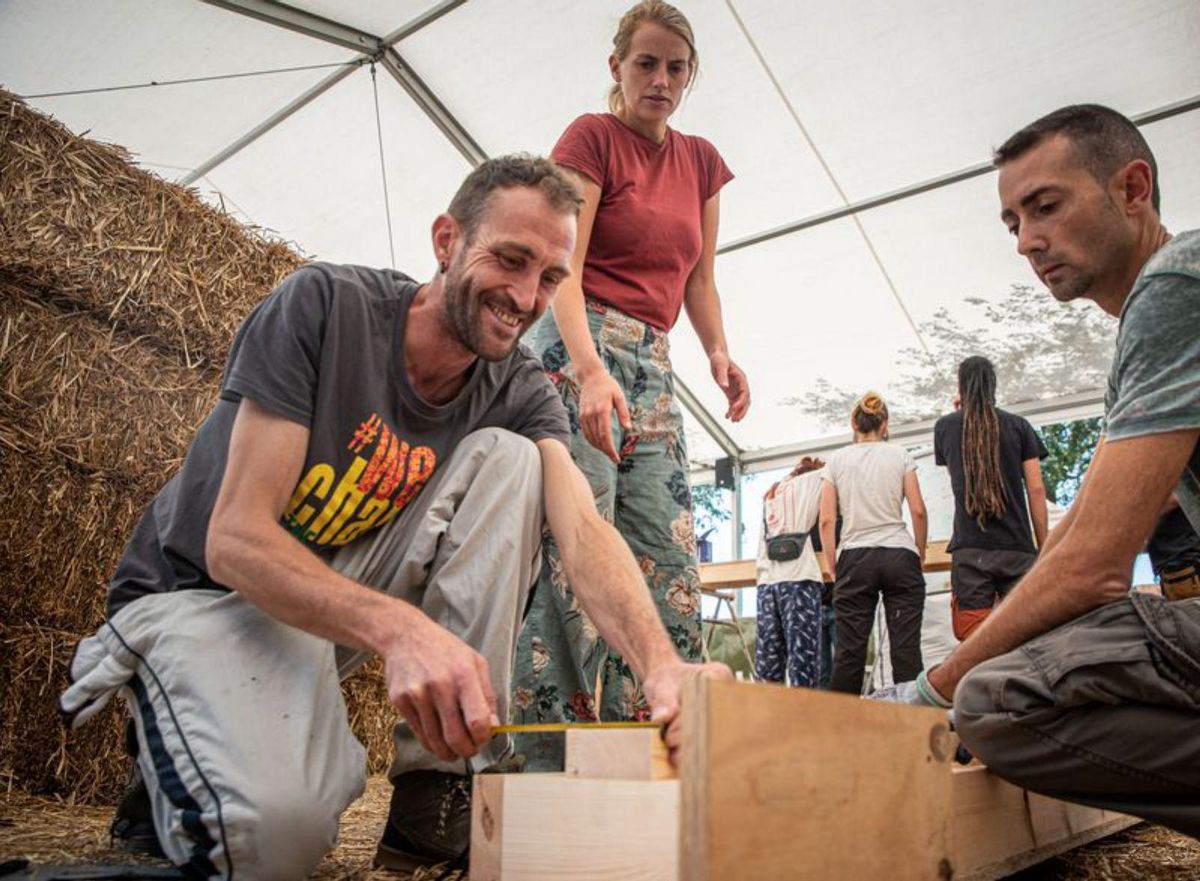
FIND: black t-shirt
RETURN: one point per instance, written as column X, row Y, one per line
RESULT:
column 1018, row 444
column 326, row 350
column 1174, row 544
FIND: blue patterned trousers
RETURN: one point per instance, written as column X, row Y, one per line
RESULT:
column 789, row 633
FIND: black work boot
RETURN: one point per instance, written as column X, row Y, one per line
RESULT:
column 429, row 820
column 132, row 828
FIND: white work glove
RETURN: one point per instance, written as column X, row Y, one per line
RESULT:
column 918, row 693
column 97, row 674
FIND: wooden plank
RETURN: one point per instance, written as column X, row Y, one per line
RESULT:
column 991, row 821
column 794, row 783
column 732, row 574
column 1000, row 828
column 550, row 827
column 936, row 558
column 633, row 754
column 487, row 826
column 737, row 574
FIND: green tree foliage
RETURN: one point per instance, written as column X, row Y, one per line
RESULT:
column 1070, row 445
column 710, row 507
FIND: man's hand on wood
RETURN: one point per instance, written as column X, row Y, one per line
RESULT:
column 441, row 688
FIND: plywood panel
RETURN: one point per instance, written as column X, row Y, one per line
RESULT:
column 1000, row 828
column 788, row 783
column 744, row 573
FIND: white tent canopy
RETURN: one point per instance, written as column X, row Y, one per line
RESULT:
column 835, row 117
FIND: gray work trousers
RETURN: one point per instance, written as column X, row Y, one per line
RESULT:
column 242, row 731
column 1104, row 711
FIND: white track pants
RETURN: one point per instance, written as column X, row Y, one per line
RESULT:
column 242, row 731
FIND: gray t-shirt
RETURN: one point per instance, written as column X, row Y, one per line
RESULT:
column 1154, row 383
column 326, row 350
column 869, row 478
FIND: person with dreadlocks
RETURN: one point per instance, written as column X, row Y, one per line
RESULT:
column 994, row 458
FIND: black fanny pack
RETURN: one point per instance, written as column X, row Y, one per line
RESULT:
column 789, row 546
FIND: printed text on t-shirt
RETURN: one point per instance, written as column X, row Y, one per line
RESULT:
column 370, row 492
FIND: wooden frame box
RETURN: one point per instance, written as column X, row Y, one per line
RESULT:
column 773, row 783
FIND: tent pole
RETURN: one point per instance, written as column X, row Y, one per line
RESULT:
column 331, row 31
column 1150, row 116
column 737, row 509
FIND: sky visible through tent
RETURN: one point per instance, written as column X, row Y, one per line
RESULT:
column 813, row 105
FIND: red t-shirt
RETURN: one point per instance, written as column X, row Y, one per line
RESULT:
column 646, row 238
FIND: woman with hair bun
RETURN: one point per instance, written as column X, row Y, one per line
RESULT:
column 645, row 251
column 868, row 481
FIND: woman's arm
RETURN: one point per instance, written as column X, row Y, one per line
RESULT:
column 829, row 508
column 599, row 393
column 916, row 507
column 703, row 306
column 1035, row 492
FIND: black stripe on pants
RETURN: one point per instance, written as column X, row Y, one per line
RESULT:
column 863, row 575
column 172, row 786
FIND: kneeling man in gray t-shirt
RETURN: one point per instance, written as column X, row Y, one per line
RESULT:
column 373, row 479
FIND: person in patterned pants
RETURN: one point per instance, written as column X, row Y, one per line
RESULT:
column 788, row 642
column 562, row 663
column 645, row 252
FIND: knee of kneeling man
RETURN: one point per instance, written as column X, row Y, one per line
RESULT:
column 978, row 716
column 973, row 696
column 286, row 838
column 505, row 444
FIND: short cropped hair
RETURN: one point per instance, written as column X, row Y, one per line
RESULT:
column 507, row 172
column 1104, row 141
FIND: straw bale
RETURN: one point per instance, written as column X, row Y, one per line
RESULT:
column 70, row 388
column 37, row 751
column 61, row 534
column 80, row 221
column 119, row 296
column 371, row 715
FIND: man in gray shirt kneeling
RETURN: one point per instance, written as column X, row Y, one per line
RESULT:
column 1075, row 687
column 373, row 479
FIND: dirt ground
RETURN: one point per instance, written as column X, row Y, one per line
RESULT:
column 52, row 832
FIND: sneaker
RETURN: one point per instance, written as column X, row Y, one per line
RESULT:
column 429, row 819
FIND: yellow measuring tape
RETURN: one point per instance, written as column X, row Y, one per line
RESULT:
column 542, row 727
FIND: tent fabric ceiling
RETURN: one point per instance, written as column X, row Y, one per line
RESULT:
column 888, row 94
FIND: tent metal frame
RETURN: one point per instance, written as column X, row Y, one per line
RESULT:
column 373, row 49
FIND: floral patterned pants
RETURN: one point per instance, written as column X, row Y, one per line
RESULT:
column 561, row 660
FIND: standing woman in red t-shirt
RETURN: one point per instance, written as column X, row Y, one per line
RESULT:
column 646, row 247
